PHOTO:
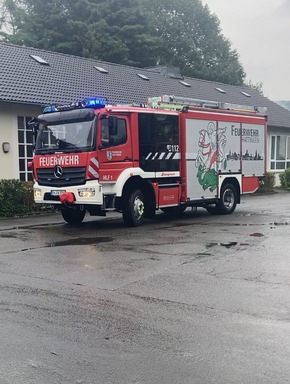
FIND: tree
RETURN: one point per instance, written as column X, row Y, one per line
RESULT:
column 141, row 33
column 257, row 86
column 49, row 25
column 85, row 28
column 192, row 40
column 123, row 34
column 9, row 12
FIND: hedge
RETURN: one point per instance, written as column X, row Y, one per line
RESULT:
column 16, row 198
column 267, row 184
column 285, row 179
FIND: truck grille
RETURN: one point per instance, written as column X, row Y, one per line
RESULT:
column 70, row 176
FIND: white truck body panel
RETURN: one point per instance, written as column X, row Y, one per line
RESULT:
column 217, row 147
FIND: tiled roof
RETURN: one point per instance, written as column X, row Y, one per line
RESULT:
column 69, row 78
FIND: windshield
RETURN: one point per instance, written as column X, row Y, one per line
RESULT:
column 65, row 137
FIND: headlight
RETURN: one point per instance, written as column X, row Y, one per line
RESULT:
column 37, row 193
column 86, row 192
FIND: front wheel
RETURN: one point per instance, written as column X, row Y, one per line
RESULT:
column 133, row 208
column 74, row 215
column 228, row 199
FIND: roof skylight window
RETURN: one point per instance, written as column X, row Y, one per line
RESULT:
column 39, row 59
column 142, row 76
column 220, row 90
column 185, row 83
column 245, row 94
column 100, row 69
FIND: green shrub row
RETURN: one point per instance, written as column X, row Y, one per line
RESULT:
column 285, row 179
column 16, row 198
column 267, row 184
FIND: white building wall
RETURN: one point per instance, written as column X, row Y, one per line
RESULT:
column 8, row 133
column 9, row 165
column 276, row 131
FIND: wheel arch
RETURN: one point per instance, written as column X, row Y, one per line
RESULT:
column 235, row 183
column 137, row 182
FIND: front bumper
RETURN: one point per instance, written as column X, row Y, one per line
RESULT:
column 89, row 193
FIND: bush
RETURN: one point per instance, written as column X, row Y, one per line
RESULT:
column 16, row 198
column 267, row 183
column 285, row 179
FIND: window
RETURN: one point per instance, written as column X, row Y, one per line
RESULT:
column 158, row 142
column 100, row 69
column 220, row 90
column 64, row 137
column 39, row 59
column 280, row 152
column 142, row 76
column 185, row 83
column 25, row 148
column 245, row 94
column 108, row 138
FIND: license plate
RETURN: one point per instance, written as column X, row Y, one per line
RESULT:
column 57, row 192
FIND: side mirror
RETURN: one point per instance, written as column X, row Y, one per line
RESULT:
column 113, row 125
column 34, row 125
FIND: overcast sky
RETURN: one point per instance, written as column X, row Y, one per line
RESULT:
column 260, row 32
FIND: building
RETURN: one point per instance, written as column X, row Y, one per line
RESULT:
column 32, row 78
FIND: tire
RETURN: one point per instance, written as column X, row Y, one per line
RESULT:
column 73, row 215
column 228, row 200
column 133, row 208
column 174, row 211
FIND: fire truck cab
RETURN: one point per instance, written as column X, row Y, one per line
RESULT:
column 171, row 154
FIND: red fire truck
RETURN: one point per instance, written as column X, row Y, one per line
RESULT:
column 170, row 154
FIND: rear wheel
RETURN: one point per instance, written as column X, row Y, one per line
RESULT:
column 228, row 199
column 134, row 208
column 74, row 215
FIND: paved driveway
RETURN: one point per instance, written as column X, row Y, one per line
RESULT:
column 200, row 299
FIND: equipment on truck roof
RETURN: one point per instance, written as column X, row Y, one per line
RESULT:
column 185, row 103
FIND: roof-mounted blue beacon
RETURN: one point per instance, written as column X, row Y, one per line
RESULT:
column 95, row 102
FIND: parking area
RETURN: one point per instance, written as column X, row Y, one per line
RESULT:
column 197, row 299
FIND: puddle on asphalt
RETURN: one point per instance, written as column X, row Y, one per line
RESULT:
column 257, row 234
column 201, row 255
column 81, row 241
column 13, row 236
column 226, row 245
column 277, row 224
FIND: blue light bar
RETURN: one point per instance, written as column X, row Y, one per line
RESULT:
column 50, row 108
column 94, row 102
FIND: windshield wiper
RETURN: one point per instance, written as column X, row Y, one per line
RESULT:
column 44, row 151
column 71, row 146
column 65, row 145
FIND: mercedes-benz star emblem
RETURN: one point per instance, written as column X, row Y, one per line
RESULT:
column 58, row 171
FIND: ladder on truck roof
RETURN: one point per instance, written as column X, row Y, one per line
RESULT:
column 183, row 103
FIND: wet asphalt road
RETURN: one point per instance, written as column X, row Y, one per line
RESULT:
column 196, row 300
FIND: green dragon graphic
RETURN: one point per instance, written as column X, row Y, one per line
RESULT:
column 210, row 157
column 207, row 179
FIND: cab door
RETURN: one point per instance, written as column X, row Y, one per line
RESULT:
column 114, row 147
column 159, row 142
